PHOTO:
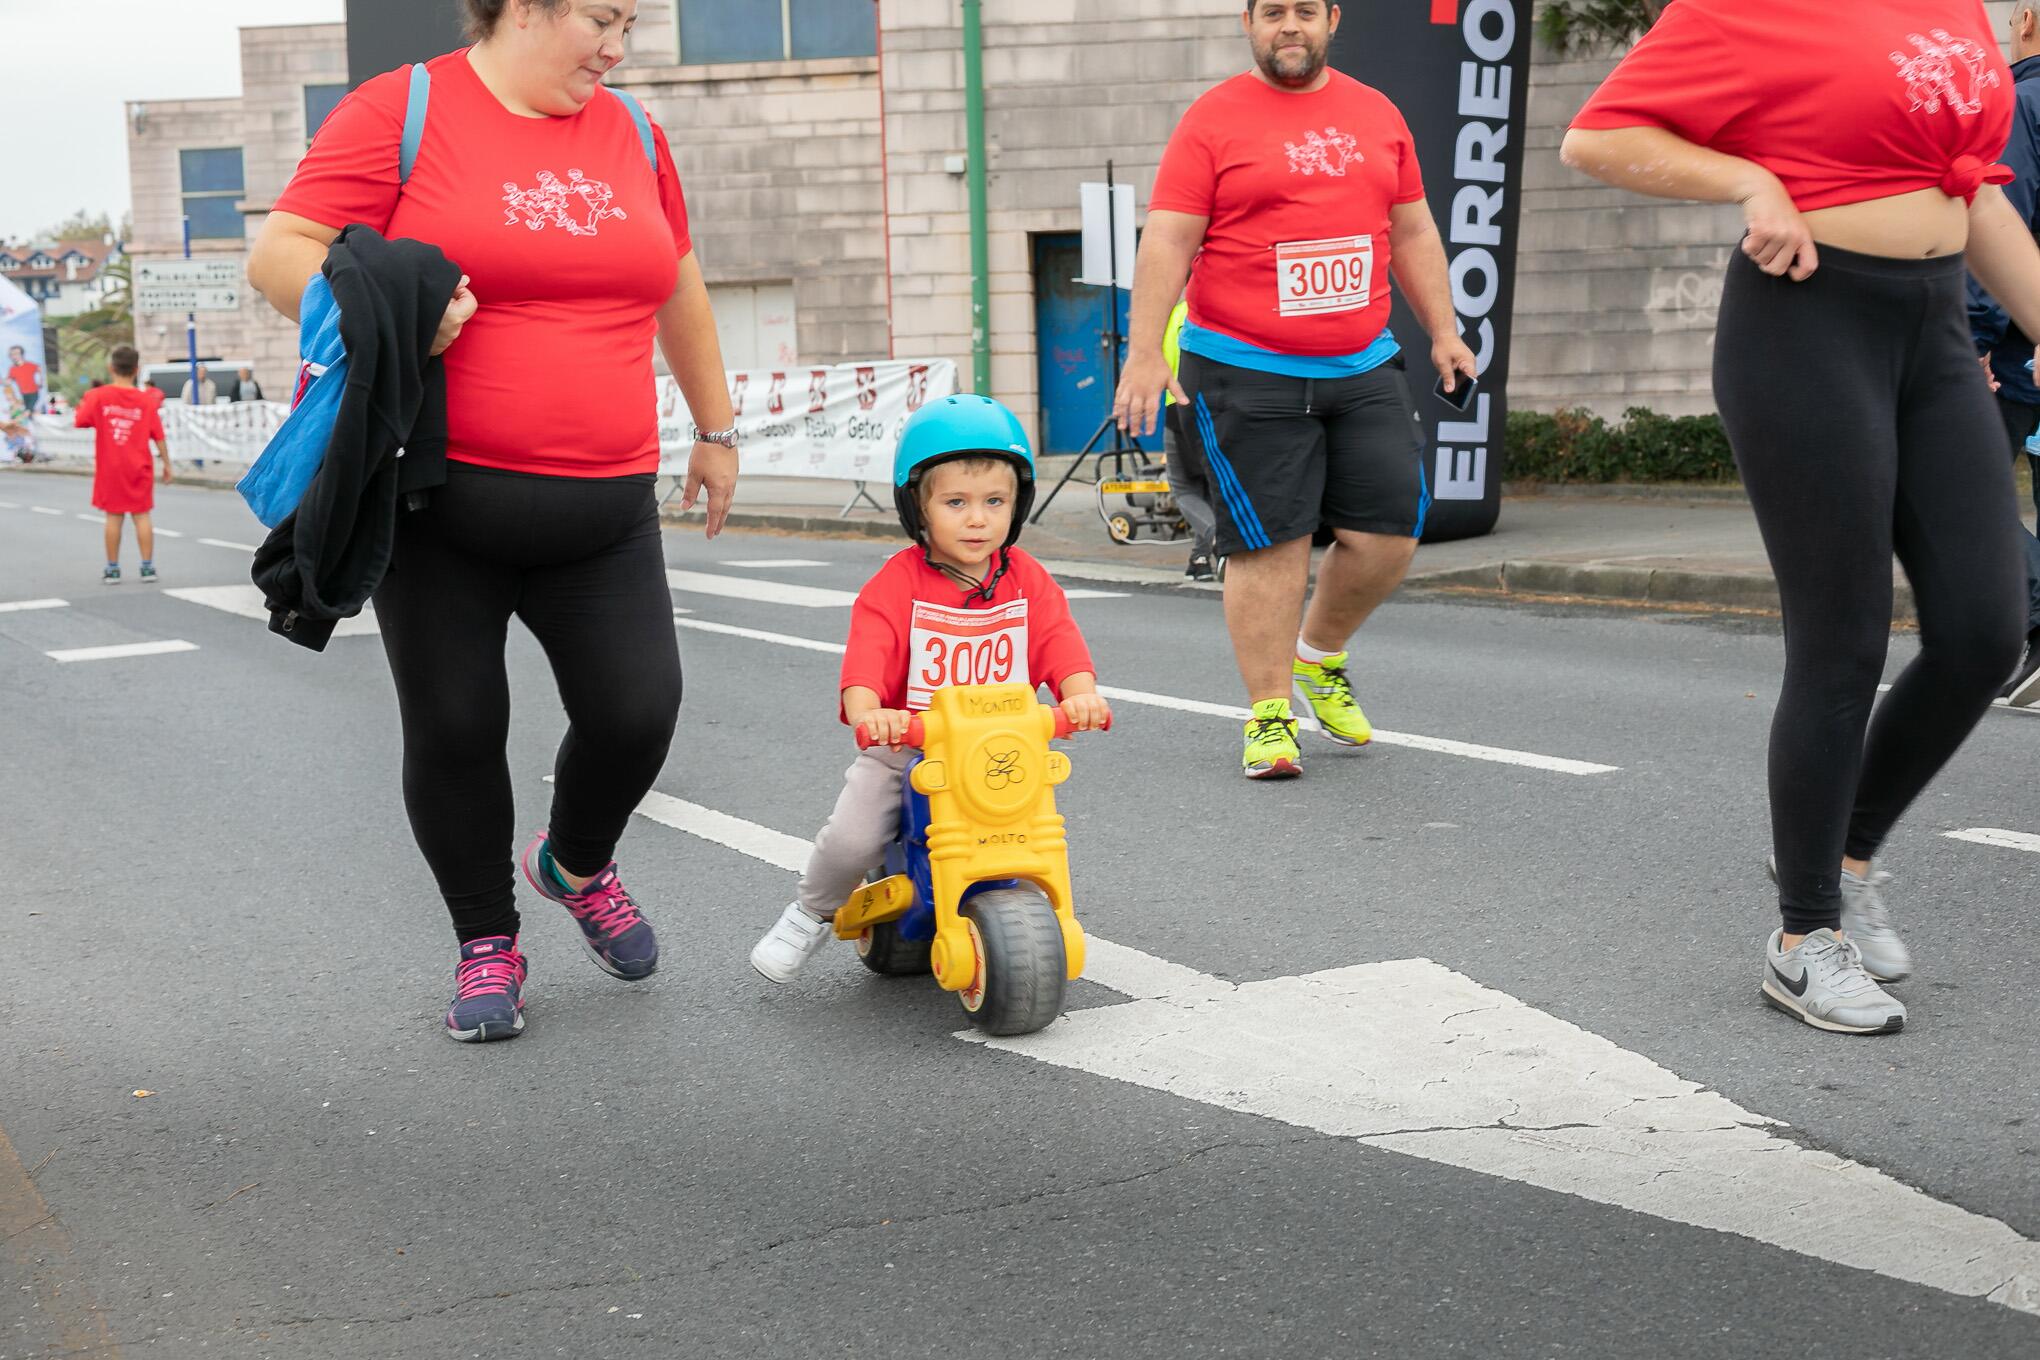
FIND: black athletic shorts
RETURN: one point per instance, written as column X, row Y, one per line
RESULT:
column 1285, row 455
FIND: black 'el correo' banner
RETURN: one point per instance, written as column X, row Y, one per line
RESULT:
column 1460, row 72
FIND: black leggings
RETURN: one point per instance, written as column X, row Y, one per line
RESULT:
column 1863, row 425
column 580, row 561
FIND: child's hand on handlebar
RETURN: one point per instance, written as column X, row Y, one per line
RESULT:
column 886, row 726
column 1087, row 712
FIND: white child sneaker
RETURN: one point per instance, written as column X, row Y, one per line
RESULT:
column 791, row 942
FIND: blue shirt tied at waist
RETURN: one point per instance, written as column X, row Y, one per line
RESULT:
column 1989, row 325
column 1225, row 349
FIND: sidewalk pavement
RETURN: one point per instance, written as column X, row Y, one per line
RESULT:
column 1644, row 544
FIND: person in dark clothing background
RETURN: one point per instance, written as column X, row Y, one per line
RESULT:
column 2006, row 350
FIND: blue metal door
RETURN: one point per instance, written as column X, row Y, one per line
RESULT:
column 1069, row 329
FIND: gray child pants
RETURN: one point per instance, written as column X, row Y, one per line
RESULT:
column 853, row 842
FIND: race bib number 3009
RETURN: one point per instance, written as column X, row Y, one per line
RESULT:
column 1333, row 275
column 965, row 647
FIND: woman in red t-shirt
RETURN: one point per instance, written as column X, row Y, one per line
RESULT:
column 534, row 179
column 1861, row 154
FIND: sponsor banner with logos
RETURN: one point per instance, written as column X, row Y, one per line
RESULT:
column 839, row 422
column 1459, row 70
column 226, row 433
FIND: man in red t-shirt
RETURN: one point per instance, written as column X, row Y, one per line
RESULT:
column 1287, row 197
column 24, row 375
column 124, row 420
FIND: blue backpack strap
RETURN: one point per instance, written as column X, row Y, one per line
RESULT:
column 414, row 121
column 644, row 128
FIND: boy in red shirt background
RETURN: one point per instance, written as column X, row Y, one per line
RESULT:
column 962, row 606
column 124, row 421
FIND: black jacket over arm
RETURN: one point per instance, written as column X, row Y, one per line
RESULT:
column 323, row 562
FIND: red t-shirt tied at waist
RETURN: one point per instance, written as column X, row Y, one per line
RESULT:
column 571, row 242
column 1886, row 97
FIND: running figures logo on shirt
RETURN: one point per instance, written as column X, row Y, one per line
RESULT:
column 1324, row 153
column 580, row 205
column 1946, row 71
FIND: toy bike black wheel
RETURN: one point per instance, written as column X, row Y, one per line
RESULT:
column 1021, row 968
column 884, row 952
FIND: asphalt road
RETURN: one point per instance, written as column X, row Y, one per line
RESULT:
column 211, row 895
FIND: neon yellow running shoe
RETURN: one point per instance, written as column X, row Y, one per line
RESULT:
column 1271, row 742
column 1323, row 685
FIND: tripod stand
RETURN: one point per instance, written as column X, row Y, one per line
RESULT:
column 1113, row 341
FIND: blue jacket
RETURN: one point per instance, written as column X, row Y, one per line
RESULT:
column 1994, row 332
column 277, row 482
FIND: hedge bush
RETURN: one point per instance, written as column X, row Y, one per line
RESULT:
column 1579, row 446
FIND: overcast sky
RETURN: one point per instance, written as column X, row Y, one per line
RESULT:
column 72, row 65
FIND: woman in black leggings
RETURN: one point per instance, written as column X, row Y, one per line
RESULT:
column 558, row 198
column 1860, row 419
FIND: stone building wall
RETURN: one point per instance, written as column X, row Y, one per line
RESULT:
column 267, row 121
column 1069, row 84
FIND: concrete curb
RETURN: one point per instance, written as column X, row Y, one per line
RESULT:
column 1647, row 585
column 1672, row 492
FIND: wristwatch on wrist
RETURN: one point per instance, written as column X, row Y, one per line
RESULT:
column 726, row 438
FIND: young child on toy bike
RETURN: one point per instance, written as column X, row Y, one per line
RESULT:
column 962, row 599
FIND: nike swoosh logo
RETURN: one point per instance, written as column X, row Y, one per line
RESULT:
column 1796, row 988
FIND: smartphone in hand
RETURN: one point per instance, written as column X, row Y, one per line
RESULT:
column 1461, row 395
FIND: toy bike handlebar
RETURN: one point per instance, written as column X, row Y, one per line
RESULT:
column 916, row 736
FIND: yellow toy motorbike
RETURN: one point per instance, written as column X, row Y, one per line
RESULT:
column 976, row 887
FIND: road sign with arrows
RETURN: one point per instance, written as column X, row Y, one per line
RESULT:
column 206, row 284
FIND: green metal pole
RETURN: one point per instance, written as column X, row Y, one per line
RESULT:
column 980, row 242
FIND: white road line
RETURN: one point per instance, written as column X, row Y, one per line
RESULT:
column 43, row 510
column 1991, row 835
column 246, row 602
column 167, row 533
column 227, row 543
column 91, row 519
column 762, row 592
column 1500, row 755
column 19, row 606
column 124, row 649
column 758, row 635
column 746, row 838
column 1094, row 594
column 770, row 563
column 1411, row 1057
column 10, row 505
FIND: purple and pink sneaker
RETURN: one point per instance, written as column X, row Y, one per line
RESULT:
column 488, row 991
column 613, row 930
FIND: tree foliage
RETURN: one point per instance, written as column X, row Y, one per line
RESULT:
column 1576, row 27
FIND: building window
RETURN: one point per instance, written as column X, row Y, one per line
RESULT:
column 213, row 185
column 776, row 30
column 320, row 101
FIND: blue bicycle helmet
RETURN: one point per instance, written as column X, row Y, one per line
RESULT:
column 965, row 426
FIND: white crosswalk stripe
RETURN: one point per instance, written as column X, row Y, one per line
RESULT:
column 22, row 606
column 1996, row 836
column 1410, row 1057
column 121, row 651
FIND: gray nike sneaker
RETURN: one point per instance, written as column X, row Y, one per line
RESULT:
column 1821, row 981
column 1867, row 921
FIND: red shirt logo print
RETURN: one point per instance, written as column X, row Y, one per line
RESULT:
column 1324, row 153
column 1945, row 70
column 580, row 205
